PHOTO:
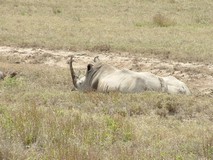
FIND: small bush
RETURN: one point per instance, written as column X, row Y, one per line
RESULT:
column 56, row 11
column 163, row 21
column 167, row 106
column 102, row 48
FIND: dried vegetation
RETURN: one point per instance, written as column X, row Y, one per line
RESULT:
column 40, row 118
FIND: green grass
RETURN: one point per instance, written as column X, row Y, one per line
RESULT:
column 182, row 32
column 42, row 119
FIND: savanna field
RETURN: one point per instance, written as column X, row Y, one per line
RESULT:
column 41, row 118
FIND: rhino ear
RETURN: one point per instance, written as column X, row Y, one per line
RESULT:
column 96, row 59
column 89, row 67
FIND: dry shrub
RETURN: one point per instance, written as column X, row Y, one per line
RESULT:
column 168, row 105
column 208, row 147
column 163, row 21
column 102, row 48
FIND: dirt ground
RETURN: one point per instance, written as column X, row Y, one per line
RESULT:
column 198, row 76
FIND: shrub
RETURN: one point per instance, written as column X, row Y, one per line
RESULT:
column 102, row 48
column 163, row 21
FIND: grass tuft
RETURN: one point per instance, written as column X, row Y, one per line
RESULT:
column 102, row 48
column 163, row 21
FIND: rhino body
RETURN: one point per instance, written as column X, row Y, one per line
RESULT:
column 105, row 78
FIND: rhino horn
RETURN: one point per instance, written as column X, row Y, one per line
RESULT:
column 73, row 76
column 96, row 59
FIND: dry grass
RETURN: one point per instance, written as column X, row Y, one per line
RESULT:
column 42, row 119
column 118, row 25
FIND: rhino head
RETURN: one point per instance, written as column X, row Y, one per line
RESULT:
column 85, row 83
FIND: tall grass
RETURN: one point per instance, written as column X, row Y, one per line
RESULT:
column 42, row 119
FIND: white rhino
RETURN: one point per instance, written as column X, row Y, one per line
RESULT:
column 105, row 78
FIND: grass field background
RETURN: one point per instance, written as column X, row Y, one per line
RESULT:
column 41, row 118
column 176, row 29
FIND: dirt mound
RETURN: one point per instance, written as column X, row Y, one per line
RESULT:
column 198, row 76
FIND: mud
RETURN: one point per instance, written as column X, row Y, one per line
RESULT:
column 198, row 76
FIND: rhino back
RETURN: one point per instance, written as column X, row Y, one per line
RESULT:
column 129, row 81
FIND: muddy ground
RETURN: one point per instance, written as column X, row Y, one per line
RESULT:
column 198, row 76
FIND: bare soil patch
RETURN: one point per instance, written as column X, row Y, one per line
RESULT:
column 198, row 76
